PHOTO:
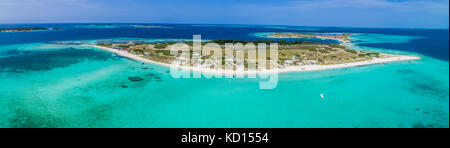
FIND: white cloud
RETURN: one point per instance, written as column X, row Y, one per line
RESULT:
column 415, row 5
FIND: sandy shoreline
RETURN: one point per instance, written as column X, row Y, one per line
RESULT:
column 303, row 68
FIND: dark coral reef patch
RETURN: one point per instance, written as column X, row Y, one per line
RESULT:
column 26, row 61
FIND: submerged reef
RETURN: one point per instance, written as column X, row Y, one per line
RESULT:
column 424, row 85
column 37, row 112
column 135, row 79
column 25, row 61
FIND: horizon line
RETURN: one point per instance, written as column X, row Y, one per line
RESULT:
column 366, row 27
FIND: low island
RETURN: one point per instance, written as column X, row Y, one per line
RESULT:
column 26, row 29
column 342, row 37
column 148, row 26
column 293, row 56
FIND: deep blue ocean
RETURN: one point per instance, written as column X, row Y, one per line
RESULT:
column 431, row 42
column 45, row 84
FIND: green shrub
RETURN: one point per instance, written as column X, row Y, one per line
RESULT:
column 103, row 44
column 124, row 46
column 164, row 52
column 323, row 51
column 351, row 51
column 161, row 46
column 373, row 54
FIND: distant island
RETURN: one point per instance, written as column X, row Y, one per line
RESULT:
column 25, row 29
column 101, row 25
column 293, row 56
column 343, row 37
column 148, row 26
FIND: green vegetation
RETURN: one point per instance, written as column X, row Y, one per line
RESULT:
column 336, row 36
column 124, row 46
column 163, row 52
column 280, row 42
column 373, row 54
column 290, row 52
column 161, row 46
column 324, row 51
column 351, row 51
column 105, row 45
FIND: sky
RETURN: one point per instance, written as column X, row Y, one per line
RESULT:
column 350, row 13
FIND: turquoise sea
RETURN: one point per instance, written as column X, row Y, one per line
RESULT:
column 48, row 79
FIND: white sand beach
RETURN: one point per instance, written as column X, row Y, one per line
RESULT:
column 303, row 68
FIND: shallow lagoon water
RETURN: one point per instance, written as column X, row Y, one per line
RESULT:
column 85, row 87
